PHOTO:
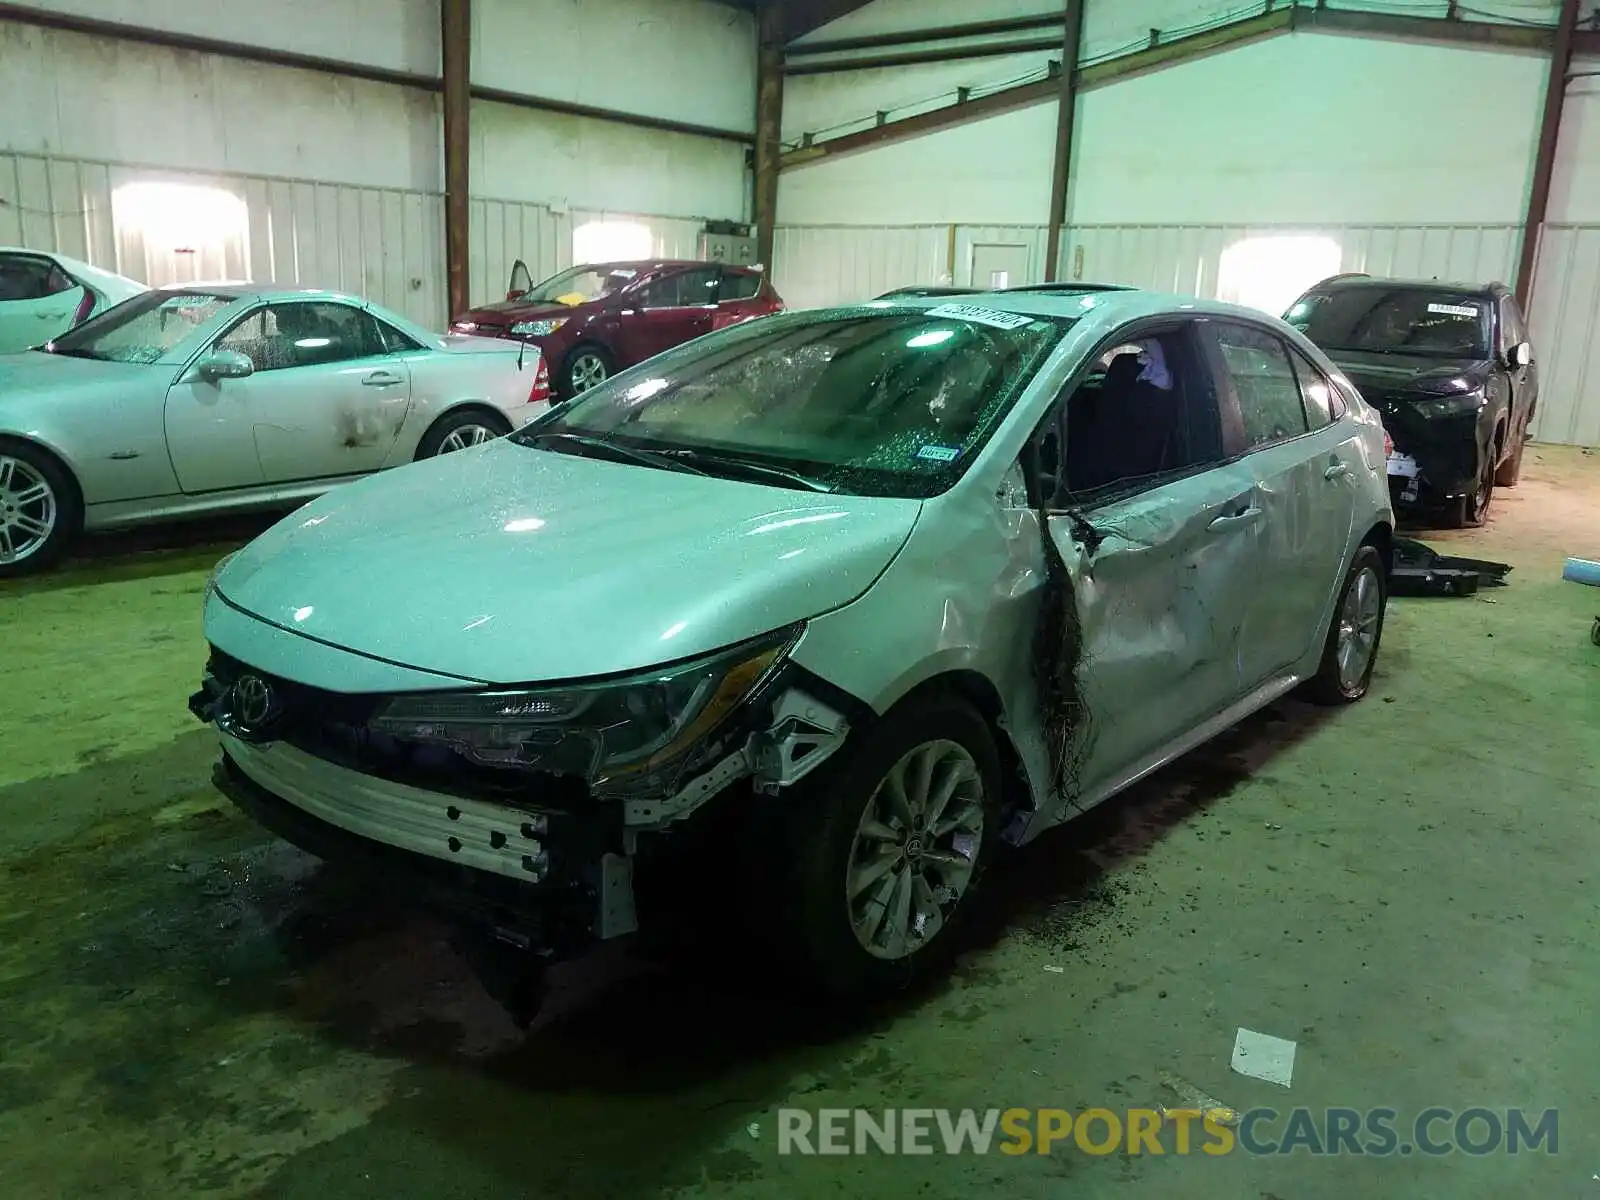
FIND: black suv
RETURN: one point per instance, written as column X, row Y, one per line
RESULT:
column 1450, row 368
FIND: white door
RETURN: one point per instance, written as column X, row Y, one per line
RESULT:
column 38, row 300
column 327, row 399
column 999, row 265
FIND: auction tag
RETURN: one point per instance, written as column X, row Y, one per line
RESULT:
column 1403, row 465
column 1453, row 310
column 981, row 316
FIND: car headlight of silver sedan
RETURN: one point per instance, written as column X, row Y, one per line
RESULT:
column 538, row 328
column 622, row 735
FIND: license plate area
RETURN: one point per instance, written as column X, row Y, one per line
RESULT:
column 1403, row 466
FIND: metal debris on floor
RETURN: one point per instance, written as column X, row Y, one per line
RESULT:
column 1192, row 1099
column 1262, row 1056
column 1417, row 569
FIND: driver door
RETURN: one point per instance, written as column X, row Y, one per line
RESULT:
column 520, row 280
column 1156, row 595
column 669, row 311
column 326, row 399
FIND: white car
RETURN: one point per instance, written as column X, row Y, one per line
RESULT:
column 206, row 398
column 44, row 294
column 874, row 591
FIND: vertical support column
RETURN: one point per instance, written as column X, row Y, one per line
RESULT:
column 1544, row 163
column 455, row 26
column 769, row 128
column 1061, row 172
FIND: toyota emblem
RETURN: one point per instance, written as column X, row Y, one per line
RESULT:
column 253, row 701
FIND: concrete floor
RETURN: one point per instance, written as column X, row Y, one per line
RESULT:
column 1406, row 889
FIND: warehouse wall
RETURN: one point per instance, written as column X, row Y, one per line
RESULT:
column 340, row 179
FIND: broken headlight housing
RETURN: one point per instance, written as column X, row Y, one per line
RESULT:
column 630, row 735
column 538, row 328
column 1457, row 405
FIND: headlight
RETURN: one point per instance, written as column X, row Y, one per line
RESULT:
column 211, row 579
column 1449, row 406
column 464, row 327
column 538, row 328
column 621, row 736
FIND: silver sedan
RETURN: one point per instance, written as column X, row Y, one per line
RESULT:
column 210, row 398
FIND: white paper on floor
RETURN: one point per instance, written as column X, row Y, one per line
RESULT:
column 1262, row 1056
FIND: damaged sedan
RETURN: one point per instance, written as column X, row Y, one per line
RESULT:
column 877, row 591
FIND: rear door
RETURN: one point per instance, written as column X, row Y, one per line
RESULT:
column 1304, row 464
column 1157, row 594
column 38, row 300
column 739, row 298
column 327, row 399
column 667, row 312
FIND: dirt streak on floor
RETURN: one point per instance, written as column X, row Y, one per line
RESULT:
column 1405, row 888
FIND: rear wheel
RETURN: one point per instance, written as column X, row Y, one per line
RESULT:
column 885, row 847
column 461, row 430
column 40, row 512
column 1351, row 650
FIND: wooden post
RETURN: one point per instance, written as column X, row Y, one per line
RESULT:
column 1066, row 116
column 769, row 128
column 455, row 20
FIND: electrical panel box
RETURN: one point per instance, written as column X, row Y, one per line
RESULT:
column 727, row 242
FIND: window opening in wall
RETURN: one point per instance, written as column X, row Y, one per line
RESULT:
column 180, row 232
column 1270, row 273
column 612, row 241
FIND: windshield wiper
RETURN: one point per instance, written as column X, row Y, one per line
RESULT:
column 736, row 465
column 620, row 453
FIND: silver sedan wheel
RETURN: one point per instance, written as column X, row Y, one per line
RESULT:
column 1358, row 627
column 915, row 849
column 464, row 437
column 28, row 510
column 588, row 370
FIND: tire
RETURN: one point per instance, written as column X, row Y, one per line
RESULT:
column 461, row 430
column 41, row 512
column 1510, row 472
column 822, row 833
column 1336, row 682
column 586, row 366
column 1472, row 510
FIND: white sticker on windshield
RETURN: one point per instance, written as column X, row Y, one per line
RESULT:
column 944, row 454
column 981, row 316
column 1453, row 310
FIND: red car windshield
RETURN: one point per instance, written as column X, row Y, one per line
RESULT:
column 580, row 285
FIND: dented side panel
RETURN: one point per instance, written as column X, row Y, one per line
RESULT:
column 1163, row 605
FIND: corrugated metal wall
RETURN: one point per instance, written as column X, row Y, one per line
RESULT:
column 816, row 265
column 382, row 243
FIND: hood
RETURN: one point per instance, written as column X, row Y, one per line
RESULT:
column 512, row 565
column 506, row 311
column 33, row 371
column 1411, row 376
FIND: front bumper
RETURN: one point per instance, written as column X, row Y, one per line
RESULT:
column 1445, row 451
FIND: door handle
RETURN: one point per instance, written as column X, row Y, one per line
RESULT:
column 381, row 379
column 1338, row 471
column 1238, row 520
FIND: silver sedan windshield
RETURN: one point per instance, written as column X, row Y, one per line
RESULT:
column 144, row 329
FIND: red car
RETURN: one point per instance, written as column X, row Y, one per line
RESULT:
column 596, row 320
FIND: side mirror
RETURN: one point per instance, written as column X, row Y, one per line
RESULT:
column 513, row 294
column 225, row 364
column 1521, row 355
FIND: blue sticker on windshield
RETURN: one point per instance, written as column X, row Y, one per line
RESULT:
column 944, row 454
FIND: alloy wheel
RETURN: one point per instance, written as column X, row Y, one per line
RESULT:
column 1358, row 627
column 588, row 370
column 915, row 849
column 28, row 510
column 464, row 437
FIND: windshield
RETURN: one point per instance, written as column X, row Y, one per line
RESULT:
column 891, row 402
column 141, row 330
column 580, row 285
column 1424, row 321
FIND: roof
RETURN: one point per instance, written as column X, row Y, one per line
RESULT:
column 658, row 264
column 1114, row 305
column 1435, row 285
column 240, row 289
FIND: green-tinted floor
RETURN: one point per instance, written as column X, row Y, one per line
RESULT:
column 1406, row 889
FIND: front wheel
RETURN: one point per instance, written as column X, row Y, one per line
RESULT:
column 586, row 367
column 40, row 512
column 886, row 847
column 1351, row 650
column 1510, row 472
column 1472, row 510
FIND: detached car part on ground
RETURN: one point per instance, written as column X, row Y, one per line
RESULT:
column 195, row 400
column 594, row 321
column 1450, row 368
column 851, row 597
column 42, row 295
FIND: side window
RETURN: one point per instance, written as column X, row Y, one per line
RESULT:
column 1265, row 383
column 1323, row 404
column 392, row 340
column 682, row 289
column 301, row 334
column 1148, row 408
column 27, row 278
column 739, row 285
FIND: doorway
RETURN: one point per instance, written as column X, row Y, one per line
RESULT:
column 999, row 265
